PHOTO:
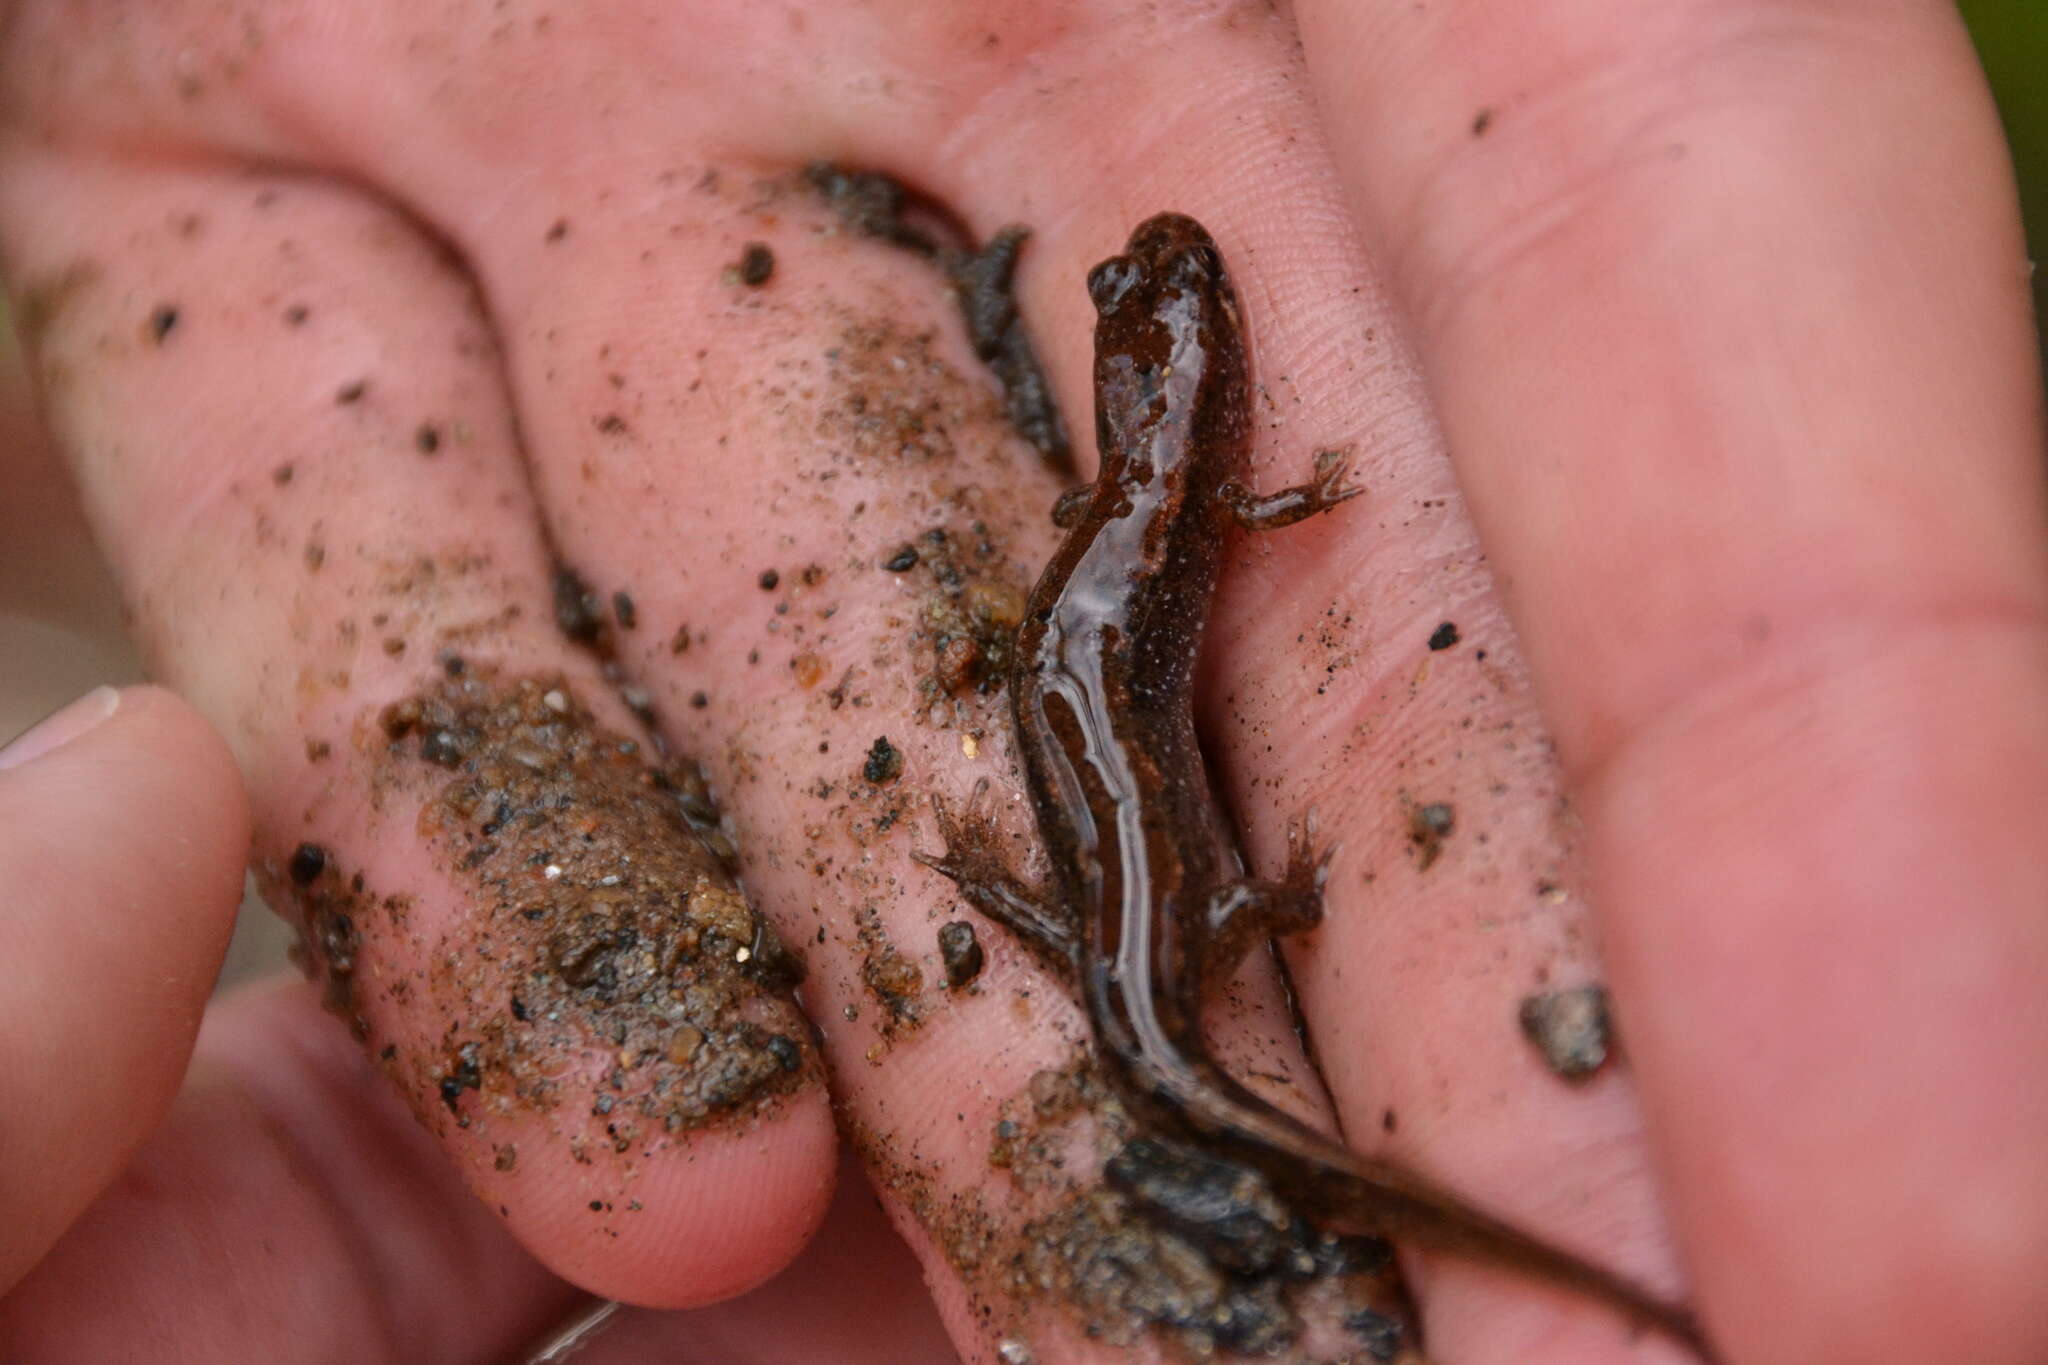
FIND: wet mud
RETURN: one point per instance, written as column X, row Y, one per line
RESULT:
column 982, row 279
column 1086, row 1225
column 610, row 972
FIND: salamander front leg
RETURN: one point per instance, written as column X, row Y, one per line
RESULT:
column 1271, row 511
column 987, row 883
column 1243, row 914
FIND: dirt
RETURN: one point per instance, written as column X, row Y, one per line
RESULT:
column 1429, row 824
column 579, row 613
column 1131, row 1239
column 1573, row 1029
column 960, row 953
column 602, row 924
column 893, row 980
column 756, row 265
column 982, row 278
column 894, row 399
column 326, row 907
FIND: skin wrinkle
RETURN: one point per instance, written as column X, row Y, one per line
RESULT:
column 1786, row 665
column 1598, row 130
column 323, row 1083
column 342, row 1217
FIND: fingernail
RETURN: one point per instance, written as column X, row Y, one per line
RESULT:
column 54, row 732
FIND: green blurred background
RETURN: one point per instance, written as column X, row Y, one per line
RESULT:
column 2012, row 37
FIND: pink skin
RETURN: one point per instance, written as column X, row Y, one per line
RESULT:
column 1721, row 310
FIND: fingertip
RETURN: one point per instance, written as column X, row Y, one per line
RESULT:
column 693, row 1222
column 123, row 833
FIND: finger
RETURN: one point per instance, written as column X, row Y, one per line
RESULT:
column 288, row 1210
column 290, row 425
column 122, row 833
column 1726, row 312
column 855, row 1271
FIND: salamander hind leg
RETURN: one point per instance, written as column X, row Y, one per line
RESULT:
column 986, row 882
column 1245, row 913
column 1271, row 511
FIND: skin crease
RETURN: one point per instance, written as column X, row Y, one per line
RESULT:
column 1791, row 660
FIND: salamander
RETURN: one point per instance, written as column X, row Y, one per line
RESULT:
column 1148, row 901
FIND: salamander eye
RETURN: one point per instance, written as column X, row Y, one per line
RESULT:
column 1110, row 281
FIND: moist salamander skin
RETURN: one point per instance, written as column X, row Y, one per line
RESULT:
column 1147, row 899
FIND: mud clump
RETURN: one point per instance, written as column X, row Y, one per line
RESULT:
column 1573, row 1029
column 1182, row 1242
column 579, row 613
column 971, row 603
column 1132, row 1237
column 894, row 981
column 327, row 907
column 982, row 280
column 604, row 925
column 960, row 953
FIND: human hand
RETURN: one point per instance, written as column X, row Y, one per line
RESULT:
column 1691, row 379
column 273, row 1172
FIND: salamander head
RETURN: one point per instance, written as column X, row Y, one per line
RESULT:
column 1169, row 257
column 1168, row 358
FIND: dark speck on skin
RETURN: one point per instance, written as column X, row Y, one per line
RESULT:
column 903, row 561
column 444, row 747
column 884, row 762
column 162, row 321
column 578, row 613
column 1428, row 826
column 1444, row 636
column 1571, row 1028
column 961, row 953
column 1381, row 1334
column 757, row 263
column 308, row 862
column 427, row 438
column 769, row 580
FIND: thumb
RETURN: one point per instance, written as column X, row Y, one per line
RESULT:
column 123, row 833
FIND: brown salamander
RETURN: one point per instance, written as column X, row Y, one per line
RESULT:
column 1148, row 898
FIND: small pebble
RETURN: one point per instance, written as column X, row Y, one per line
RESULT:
column 1572, row 1029
column 961, row 953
